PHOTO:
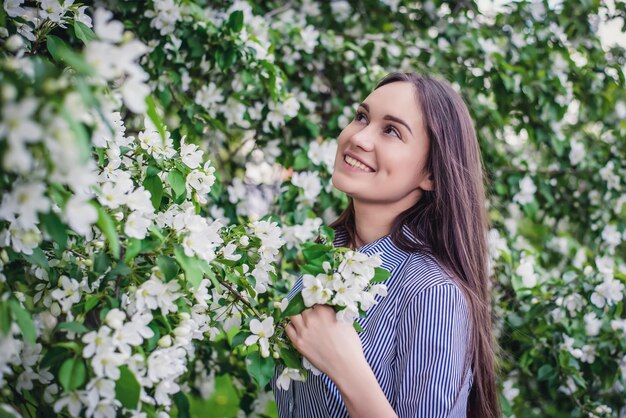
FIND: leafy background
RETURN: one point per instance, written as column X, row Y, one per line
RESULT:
column 264, row 89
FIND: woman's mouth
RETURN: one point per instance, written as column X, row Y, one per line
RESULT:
column 353, row 162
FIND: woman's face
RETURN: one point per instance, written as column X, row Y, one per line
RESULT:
column 382, row 153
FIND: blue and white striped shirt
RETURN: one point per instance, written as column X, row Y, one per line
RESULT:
column 415, row 340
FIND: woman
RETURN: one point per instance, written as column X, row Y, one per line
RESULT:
column 410, row 163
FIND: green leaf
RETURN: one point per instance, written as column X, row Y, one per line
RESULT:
column 62, row 53
column 168, row 267
column 328, row 234
column 357, row 327
column 91, row 302
column 101, row 262
column 239, row 338
column 5, row 318
column 38, row 258
column 260, row 368
column 53, row 225
column 54, row 357
column 296, row 306
column 76, row 327
column 132, row 249
column 545, row 372
column 229, row 57
column 83, row 32
column 193, row 272
column 55, row 44
column 107, row 226
column 182, row 404
column 291, row 358
column 154, row 116
column 313, row 269
column 154, row 185
column 24, row 321
column 177, row 181
column 72, row 374
column 127, row 389
column 120, row 269
column 235, row 21
column 380, row 276
column 301, row 161
column 313, row 251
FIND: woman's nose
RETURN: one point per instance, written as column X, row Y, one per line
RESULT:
column 363, row 139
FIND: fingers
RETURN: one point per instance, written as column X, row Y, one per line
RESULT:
column 291, row 331
column 297, row 320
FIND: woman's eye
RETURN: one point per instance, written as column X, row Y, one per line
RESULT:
column 392, row 131
column 360, row 117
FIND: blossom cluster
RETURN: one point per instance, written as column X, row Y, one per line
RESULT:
column 348, row 288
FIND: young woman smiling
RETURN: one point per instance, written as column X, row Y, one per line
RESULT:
column 411, row 165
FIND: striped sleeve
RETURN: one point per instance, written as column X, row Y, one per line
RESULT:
column 433, row 337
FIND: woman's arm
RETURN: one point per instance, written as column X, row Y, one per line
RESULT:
column 335, row 349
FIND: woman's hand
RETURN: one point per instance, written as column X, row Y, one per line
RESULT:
column 335, row 348
column 329, row 345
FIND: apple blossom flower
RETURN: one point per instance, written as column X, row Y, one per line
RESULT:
column 191, row 154
column 154, row 294
column 309, row 181
column 53, row 10
column 313, row 292
column 80, row 214
column 208, row 96
column 13, row 8
column 527, row 191
column 105, row 27
column 287, row 375
column 68, row 294
column 262, row 331
column 72, row 401
column 17, row 123
column 96, row 341
column 23, row 203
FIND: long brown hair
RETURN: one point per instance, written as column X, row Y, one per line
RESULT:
column 450, row 222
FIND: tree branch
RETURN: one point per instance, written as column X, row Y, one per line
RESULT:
column 278, row 11
column 240, row 297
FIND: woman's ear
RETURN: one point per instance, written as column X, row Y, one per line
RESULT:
column 428, row 184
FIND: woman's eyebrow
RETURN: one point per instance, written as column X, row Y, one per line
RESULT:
column 389, row 117
column 398, row 120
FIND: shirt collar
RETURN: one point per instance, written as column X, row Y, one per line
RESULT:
column 391, row 256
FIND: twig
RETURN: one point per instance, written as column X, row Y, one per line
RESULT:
column 279, row 10
column 241, row 298
column 76, row 253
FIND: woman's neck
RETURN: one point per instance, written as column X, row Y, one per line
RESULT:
column 374, row 219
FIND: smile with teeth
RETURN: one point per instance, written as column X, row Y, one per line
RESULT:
column 357, row 164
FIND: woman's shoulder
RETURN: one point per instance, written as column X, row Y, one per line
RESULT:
column 423, row 273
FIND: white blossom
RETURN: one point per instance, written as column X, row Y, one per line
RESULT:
column 154, row 294
column 287, row 375
column 309, row 181
column 527, row 191
column 609, row 292
column 577, row 153
column 527, row 272
column 68, row 294
column 190, row 154
column 23, row 204
column 261, row 332
column 13, row 8
column 80, row 214
column 592, row 324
